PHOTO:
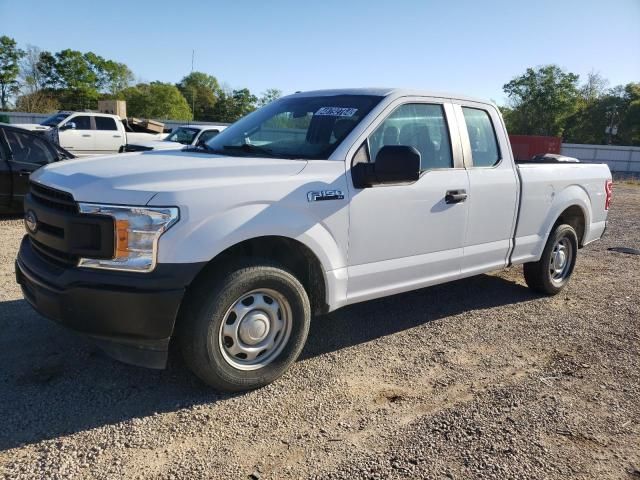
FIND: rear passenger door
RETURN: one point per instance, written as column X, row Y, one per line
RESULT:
column 407, row 236
column 108, row 139
column 493, row 188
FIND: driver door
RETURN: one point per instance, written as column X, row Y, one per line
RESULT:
column 27, row 153
column 5, row 172
column 407, row 236
column 79, row 140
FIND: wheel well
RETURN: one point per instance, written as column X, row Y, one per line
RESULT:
column 574, row 216
column 291, row 254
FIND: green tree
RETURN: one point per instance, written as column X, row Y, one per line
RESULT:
column 268, row 96
column 115, row 77
column 234, row 105
column 46, row 67
column 618, row 107
column 629, row 128
column 77, row 78
column 156, row 100
column 201, row 91
column 10, row 56
column 541, row 100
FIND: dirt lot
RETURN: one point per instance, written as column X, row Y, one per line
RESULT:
column 475, row 379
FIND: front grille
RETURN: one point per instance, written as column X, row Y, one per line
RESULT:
column 52, row 198
column 53, row 255
column 58, row 201
column 63, row 235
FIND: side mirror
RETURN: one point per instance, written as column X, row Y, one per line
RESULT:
column 68, row 126
column 394, row 164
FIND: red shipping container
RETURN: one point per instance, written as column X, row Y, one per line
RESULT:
column 526, row 146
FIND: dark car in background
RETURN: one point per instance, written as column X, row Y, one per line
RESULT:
column 21, row 153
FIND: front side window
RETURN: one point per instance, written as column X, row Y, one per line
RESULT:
column 184, row 135
column 419, row 125
column 27, row 148
column 482, row 137
column 82, row 122
column 105, row 123
column 208, row 135
column 295, row 127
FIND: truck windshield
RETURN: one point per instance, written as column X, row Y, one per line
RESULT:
column 183, row 135
column 294, row 127
column 54, row 120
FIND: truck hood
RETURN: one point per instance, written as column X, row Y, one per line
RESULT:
column 135, row 178
column 31, row 126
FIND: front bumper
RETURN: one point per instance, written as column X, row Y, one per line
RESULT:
column 131, row 316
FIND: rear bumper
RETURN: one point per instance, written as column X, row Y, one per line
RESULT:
column 130, row 316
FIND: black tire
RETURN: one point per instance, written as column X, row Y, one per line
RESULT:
column 538, row 275
column 208, row 305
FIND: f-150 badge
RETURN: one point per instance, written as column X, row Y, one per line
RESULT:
column 322, row 195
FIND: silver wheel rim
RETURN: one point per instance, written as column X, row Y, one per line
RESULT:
column 255, row 329
column 561, row 259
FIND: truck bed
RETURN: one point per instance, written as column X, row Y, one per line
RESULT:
column 544, row 188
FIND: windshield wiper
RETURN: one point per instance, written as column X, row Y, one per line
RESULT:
column 202, row 148
column 249, row 148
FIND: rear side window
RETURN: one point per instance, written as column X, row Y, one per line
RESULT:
column 82, row 122
column 482, row 136
column 422, row 126
column 105, row 123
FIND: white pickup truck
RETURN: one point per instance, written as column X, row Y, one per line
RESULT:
column 185, row 135
column 317, row 200
column 90, row 133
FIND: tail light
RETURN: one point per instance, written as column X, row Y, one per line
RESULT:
column 608, row 190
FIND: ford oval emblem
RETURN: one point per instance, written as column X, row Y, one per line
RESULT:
column 31, row 221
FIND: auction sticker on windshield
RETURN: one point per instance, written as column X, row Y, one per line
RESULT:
column 337, row 111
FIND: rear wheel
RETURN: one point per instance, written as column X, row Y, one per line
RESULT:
column 242, row 330
column 551, row 273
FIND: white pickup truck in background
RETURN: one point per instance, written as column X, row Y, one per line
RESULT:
column 180, row 137
column 313, row 202
column 90, row 133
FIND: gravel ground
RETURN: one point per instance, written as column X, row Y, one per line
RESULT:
column 479, row 378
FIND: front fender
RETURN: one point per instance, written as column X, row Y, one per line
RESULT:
column 189, row 241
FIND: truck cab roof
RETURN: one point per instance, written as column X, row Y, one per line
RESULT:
column 390, row 92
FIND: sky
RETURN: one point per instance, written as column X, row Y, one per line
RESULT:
column 463, row 46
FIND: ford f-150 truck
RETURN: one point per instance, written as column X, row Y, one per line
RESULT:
column 315, row 201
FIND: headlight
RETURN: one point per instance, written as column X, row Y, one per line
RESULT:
column 137, row 230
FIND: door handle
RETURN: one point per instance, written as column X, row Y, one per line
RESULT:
column 24, row 173
column 455, row 196
column 117, row 136
column 86, row 135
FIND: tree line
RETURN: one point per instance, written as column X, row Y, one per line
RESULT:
column 42, row 82
column 550, row 101
column 543, row 101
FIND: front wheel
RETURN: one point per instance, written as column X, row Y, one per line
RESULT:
column 551, row 273
column 244, row 329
